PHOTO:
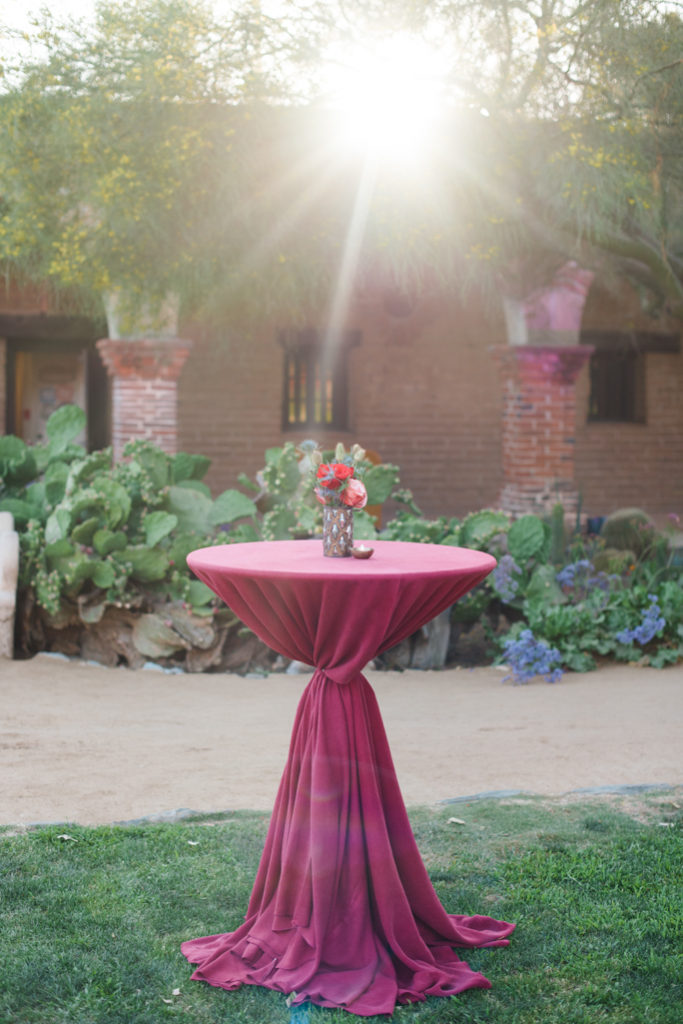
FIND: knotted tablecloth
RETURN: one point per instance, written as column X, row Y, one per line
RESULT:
column 342, row 912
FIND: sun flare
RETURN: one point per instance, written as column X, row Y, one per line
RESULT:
column 389, row 99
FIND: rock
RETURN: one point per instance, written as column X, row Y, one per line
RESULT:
column 198, row 660
column 91, row 607
column 430, row 646
column 470, row 645
column 156, row 637
column 196, row 630
column 398, row 657
column 298, row 668
column 111, row 640
column 243, row 652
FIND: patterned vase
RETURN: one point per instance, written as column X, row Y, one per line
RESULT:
column 337, row 532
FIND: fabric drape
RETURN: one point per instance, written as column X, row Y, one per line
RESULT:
column 342, row 912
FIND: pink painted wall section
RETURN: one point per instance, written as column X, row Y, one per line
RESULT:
column 559, row 307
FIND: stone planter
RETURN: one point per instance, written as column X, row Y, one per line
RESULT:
column 129, row 318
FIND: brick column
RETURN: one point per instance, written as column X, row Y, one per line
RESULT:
column 144, row 375
column 539, row 425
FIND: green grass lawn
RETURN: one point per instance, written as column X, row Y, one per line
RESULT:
column 90, row 927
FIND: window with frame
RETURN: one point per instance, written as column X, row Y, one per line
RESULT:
column 316, row 382
column 617, row 386
column 617, row 372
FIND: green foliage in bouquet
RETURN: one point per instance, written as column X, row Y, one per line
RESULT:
column 284, row 493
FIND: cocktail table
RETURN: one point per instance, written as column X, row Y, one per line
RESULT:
column 342, row 912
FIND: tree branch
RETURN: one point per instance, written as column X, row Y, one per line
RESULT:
column 663, row 278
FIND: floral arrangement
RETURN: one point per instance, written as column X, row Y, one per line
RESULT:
column 336, row 483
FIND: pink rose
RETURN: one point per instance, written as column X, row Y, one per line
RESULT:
column 355, row 495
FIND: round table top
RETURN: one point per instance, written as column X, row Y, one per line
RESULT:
column 304, row 558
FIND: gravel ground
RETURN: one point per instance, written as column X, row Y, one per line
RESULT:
column 86, row 744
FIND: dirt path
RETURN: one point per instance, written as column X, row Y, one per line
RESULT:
column 91, row 745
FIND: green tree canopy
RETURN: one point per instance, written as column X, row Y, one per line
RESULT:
column 126, row 149
column 171, row 149
column 565, row 134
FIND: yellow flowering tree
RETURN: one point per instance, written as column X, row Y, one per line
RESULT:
column 172, row 150
column 125, row 160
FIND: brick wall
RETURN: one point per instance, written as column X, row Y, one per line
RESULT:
column 28, row 298
column 429, row 398
column 229, row 400
column 426, row 396
column 428, row 402
column 620, row 465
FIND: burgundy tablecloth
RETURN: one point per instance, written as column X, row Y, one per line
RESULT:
column 342, row 912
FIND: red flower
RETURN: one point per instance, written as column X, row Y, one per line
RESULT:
column 333, row 475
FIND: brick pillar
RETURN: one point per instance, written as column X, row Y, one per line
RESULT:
column 539, row 425
column 144, row 376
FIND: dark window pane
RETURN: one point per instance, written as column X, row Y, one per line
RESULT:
column 617, row 377
column 314, row 393
column 617, row 386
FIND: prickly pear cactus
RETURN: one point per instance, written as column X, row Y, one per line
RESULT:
column 628, row 529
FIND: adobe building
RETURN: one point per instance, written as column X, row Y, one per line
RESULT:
column 584, row 408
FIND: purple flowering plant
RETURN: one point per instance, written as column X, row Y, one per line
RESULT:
column 529, row 657
column 507, row 578
column 652, row 622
